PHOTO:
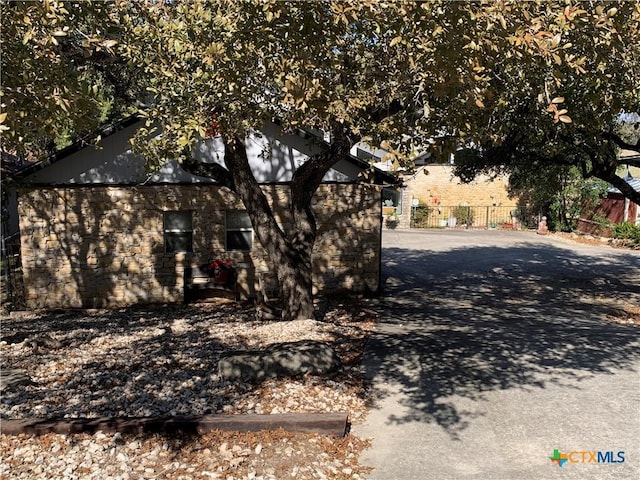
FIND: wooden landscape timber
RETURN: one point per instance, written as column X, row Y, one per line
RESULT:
column 334, row 424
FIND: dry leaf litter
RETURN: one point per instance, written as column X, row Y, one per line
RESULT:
column 159, row 361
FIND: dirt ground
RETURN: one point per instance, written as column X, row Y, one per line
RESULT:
column 586, row 239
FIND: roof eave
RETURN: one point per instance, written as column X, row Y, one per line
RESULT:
column 103, row 132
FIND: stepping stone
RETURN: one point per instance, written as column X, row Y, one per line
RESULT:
column 284, row 360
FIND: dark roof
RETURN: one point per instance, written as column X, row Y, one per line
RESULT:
column 633, row 160
column 380, row 176
column 11, row 164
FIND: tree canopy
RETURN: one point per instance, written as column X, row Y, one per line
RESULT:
column 567, row 106
column 60, row 74
column 545, row 75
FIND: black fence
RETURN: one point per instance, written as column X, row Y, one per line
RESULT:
column 478, row 217
column 11, row 289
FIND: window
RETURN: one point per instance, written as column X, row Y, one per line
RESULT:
column 239, row 231
column 392, row 199
column 178, row 231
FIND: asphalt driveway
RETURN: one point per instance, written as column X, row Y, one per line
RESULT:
column 498, row 348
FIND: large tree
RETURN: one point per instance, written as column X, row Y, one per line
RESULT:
column 224, row 68
column 574, row 105
column 540, row 80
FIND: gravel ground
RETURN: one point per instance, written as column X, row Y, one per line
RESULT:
column 586, row 239
column 163, row 361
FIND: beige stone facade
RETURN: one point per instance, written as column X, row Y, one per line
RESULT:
column 98, row 246
column 441, row 188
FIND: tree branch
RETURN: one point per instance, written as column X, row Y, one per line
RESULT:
column 380, row 113
column 211, row 170
column 306, row 180
column 245, row 185
column 622, row 143
column 623, row 186
column 309, row 175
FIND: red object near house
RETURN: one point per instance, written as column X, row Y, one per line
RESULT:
column 213, row 129
column 614, row 208
column 221, row 271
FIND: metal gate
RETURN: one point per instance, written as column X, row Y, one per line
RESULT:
column 473, row 216
column 12, row 290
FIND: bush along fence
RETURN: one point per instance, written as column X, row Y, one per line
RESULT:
column 473, row 216
column 628, row 234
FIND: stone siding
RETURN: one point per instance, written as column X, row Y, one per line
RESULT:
column 441, row 187
column 104, row 246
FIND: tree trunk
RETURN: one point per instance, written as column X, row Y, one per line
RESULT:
column 295, row 272
column 289, row 251
column 605, row 169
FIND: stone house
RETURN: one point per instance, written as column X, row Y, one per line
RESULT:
column 97, row 231
column 434, row 185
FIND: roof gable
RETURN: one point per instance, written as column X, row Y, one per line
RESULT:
column 274, row 157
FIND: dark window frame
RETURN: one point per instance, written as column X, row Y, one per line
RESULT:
column 395, row 195
column 235, row 236
column 178, row 239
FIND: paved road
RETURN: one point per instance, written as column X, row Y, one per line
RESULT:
column 495, row 349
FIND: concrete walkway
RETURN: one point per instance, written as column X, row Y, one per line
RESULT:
column 497, row 349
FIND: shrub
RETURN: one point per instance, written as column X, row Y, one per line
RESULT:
column 628, row 232
column 392, row 221
column 464, row 214
column 421, row 215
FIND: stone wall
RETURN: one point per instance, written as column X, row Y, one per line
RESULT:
column 441, row 187
column 104, row 246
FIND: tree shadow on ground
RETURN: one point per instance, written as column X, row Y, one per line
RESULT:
column 461, row 323
column 156, row 358
column 153, row 360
